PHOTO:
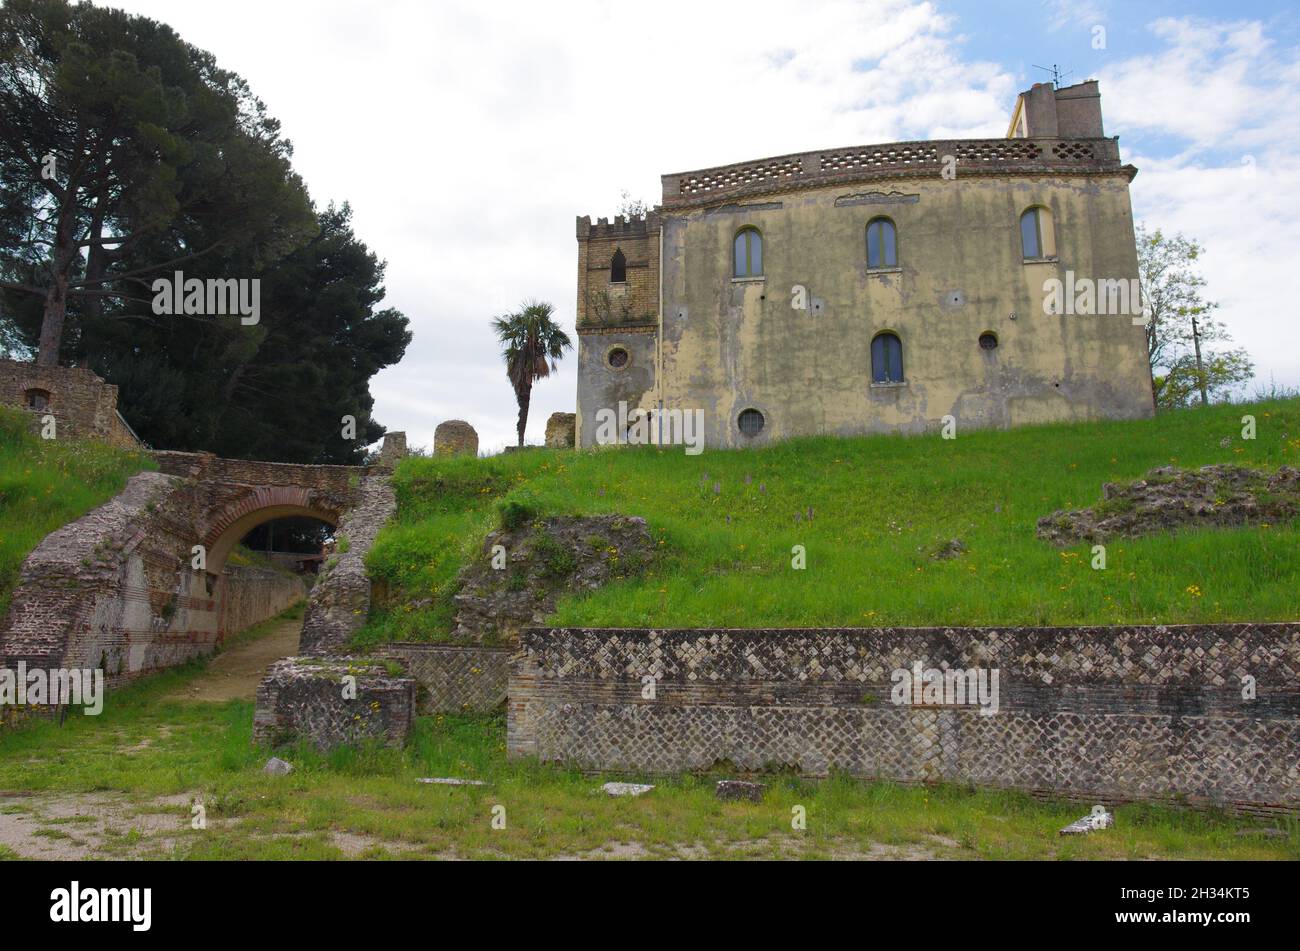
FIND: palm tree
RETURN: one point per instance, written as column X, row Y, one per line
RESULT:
column 532, row 344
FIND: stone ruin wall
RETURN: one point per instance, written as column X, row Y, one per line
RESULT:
column 82, row 404
column 340, row 599
column 1102, row 714
column 114, row 589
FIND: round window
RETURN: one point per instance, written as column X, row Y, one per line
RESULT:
column 988, row 341
column 618, row 358
column 751, row 422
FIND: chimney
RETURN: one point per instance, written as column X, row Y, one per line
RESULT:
column 1070, row 112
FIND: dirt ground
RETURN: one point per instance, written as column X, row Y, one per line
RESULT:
column 235, row 673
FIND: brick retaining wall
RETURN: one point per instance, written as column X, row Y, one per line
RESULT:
column 1104, row 713
column 455, row 679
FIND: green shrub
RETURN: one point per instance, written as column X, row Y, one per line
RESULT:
column 518, row 509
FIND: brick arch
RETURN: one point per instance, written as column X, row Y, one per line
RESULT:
column 229, row 524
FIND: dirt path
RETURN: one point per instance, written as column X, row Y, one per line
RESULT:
column 235, row 673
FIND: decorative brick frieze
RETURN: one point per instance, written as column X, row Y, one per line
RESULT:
column 894, row 160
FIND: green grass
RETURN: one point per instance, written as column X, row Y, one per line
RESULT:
column 366, row 802
column 726, row 522
column 45, row 484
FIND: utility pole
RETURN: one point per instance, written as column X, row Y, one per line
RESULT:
column 1200, row 369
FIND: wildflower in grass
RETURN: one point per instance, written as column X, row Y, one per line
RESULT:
column 1194, row 590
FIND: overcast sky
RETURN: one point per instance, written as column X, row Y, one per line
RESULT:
column 468, row 135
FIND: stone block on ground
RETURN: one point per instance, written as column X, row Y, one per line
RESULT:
column 449, row 781
column 308, row 698
column 734, row 790
column 1099, row 818
column 625, row 789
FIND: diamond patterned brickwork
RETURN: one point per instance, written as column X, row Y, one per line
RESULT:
column 1121, row 713
column 453, row 679
column 306, row 697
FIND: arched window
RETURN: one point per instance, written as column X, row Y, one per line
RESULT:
column 618, row 268
column 38, row 400
column 882, row 243
column 886, row 359
column 1037, row 237
column 748, row 254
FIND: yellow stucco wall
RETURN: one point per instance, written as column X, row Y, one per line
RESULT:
column 728, row 346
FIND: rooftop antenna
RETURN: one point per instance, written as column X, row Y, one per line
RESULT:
column 1057, row 75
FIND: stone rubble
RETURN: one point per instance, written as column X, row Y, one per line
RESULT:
column 1170, row 498
column 625, row 789
column 544, row 559
column 450, row 781
column 1099, row 818
column 734, row 790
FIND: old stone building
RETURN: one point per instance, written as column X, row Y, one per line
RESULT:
column 875, row 288
column 83, row 405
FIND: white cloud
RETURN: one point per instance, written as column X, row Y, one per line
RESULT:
column 468, row 136
column 1223, row 94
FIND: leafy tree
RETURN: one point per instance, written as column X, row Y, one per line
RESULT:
column 630, row 207
column 1181, row 327
column 532, row 344
column 163, row 161
column 277, row 391
column 1219, row 374
column 126, row 153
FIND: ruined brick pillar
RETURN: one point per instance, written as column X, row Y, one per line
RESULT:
column 560, row 430
column 393, row 450
column 455, row 437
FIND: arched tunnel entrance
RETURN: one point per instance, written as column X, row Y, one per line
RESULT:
column 266, row 506
column 297, row 543
column 305, row 521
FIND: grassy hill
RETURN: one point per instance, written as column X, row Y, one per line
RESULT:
column 45, row 484
column 869, row 513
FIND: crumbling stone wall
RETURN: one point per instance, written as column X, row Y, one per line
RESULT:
column 1170, row 498
column 1098, row 713
column 82, row 404
column 544, row 559
column 340, row 599
column 308, row 698
column 115, row 589
column 560, row 431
